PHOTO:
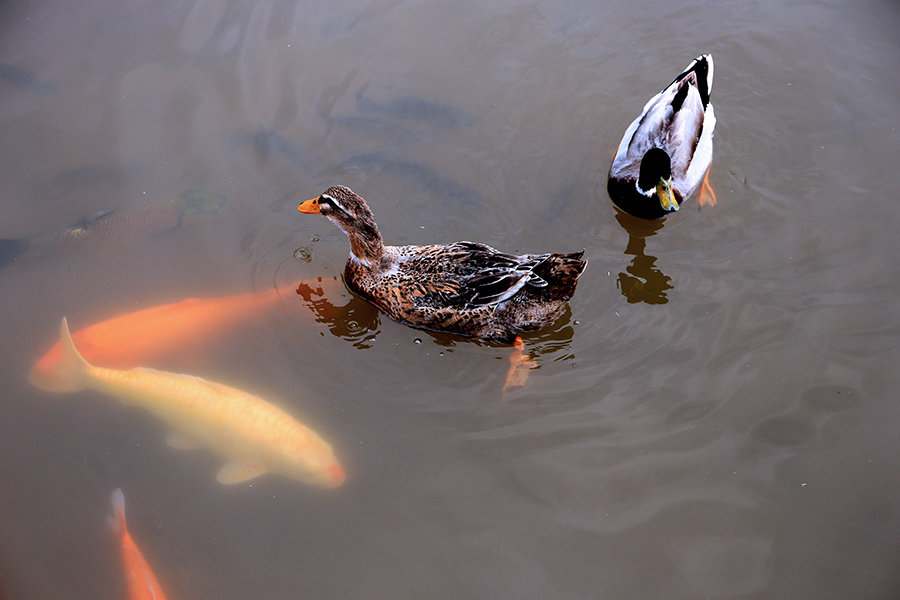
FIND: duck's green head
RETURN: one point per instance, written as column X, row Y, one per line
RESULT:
column 656, row 172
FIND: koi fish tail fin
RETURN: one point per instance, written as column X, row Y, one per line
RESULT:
column 10, row 249
column 69, row 375
column 116, row 521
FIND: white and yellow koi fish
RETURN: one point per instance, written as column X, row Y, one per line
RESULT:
column 254, row 436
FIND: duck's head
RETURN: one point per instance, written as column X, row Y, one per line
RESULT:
column 656, row 178
column 350, row 212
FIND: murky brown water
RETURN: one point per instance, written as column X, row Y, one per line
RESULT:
column 716, row 416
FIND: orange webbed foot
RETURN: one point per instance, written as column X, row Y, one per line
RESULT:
column 519, row 366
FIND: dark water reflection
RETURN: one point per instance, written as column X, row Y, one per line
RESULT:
column 356, row 321
column 642, row 281
column 714, row 416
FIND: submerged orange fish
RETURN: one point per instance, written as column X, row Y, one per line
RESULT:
column 139, row 338
column 252, row 435
column 140, row 580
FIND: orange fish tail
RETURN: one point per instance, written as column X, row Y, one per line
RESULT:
column 139, row 577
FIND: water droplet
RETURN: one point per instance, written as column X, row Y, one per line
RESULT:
column 315, row 238
column 303, row 254
column 417, row 341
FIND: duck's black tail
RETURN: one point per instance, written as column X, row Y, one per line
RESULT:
column 702, row 68
column 10, row 250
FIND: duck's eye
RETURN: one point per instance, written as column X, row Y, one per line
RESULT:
column 330, row 204
column 326, row 203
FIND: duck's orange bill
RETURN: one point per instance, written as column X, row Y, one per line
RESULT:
column 310, row 207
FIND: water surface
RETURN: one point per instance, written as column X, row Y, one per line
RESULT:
column 715, row 416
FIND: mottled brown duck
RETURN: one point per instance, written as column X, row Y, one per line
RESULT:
column 464, row 288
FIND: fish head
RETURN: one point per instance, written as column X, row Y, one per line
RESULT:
column 312, row 463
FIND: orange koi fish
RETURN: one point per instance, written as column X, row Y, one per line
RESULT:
column 140, row 580
column 144, row 336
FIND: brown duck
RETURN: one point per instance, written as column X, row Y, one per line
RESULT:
column 464, row 288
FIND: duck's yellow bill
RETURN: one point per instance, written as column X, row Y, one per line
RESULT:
column 310, row 207
column 666, row 195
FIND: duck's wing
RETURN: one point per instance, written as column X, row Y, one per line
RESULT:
column 471, row 275
column 495, row 286
column 676, row 119
column 690, row 126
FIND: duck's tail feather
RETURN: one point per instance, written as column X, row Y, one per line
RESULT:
column 703, row 69
column 562, row 271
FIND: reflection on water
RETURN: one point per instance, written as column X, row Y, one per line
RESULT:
column 417, row 109
column 26, row 80
column 357, row 321
column 642, row 281
column 415, row 172
column 269, row 145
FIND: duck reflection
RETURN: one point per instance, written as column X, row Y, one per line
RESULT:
column 642, row 281
column 356, row 321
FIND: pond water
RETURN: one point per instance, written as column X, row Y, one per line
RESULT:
column 714, row 416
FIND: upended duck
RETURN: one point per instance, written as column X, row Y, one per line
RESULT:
column 464, row 288
column 666, row 152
